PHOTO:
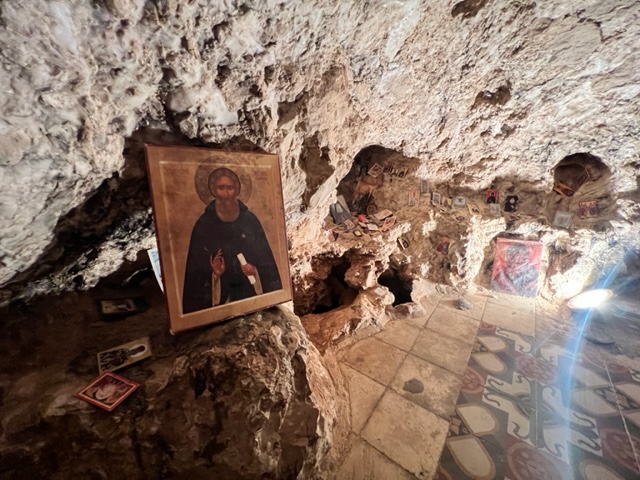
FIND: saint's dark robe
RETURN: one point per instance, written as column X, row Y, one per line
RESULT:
column 244, row 235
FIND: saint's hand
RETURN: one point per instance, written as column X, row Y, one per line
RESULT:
column 217, row 264
column 248, row 270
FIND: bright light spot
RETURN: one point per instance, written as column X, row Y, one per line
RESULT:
column 589, row 299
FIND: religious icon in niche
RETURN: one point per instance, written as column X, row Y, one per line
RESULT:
column 443, row 246
column 107, row 391
column 436, row 199
column 424, row 187
column 414, row 197
column 516, row 267
column 563, row 189
column 402, row 172
column 403, row 243
column 511, row 203
column 375, row 170
column 459, row 201
column 492, row 196
column 221, row 232
column 562, row 219
column 494, row 209
column 121, row 307
column 339, row 210
column 124, row 355
column 588, row 209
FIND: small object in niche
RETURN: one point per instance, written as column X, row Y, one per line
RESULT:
column 462, row 304
column 122, row 307
column 563, row 189
column 339, row 210
column 494, row 209
column 349, row 224
column 357, row 233
column 448, row 202
column 562, row 219
column 516, row 267
column 107, row 391
column 473, row 208
column 414, row 197
column 588, row 209
column 124, row 355
column 388, row 223
column 383, row 214
column 492, row 196
column 371, row 209
column 154, row 258
column 402, row 172
column 569, row 178
column 443, row 246
column 436, row 199
column 375, row 170
column 362, row 218
column 511, row 203
column 424, row 187
column 403, row 243
column 460, row 218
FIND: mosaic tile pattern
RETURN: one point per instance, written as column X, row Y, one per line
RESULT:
column 532, row 409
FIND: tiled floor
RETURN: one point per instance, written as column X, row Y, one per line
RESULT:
column 487, row 393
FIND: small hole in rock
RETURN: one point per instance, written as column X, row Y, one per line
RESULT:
column 400, row 288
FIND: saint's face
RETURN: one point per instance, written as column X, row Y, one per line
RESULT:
column 225, row 190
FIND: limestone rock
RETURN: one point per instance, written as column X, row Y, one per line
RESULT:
column 250, row 398
column 471, row 91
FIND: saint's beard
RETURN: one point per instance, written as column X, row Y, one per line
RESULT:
column 227, row 209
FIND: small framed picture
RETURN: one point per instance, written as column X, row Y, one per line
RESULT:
column 459, row 201
column 388, row 223
column 562, row 219
column 121, row 307
column 424, row 187
column 402, row 172
column 492, row 196
column 436, row 199
column 349, row 224
column 403, row 243
column 357, row 233
column 588, row 209
column 107, row 391
column 494, row 209
column 375, row 170
column 511, row 203
column 124, row 355
column 381, row 215
column 414, row 197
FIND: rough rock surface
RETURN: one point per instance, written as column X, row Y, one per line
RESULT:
column 471, row 90
column 246, row 399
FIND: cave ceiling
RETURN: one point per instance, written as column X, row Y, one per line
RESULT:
column 469, row 91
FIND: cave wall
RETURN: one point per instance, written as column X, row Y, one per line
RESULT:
column 471, row 90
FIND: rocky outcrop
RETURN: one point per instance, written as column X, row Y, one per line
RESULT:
column 250, row 398
column 472, row 90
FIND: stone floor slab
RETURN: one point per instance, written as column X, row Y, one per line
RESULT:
column 510, row 318
column 375, row 359
column 525, row 304
column 364, row 394
column 428, row 385
column 399, row 333
column 448, row 302
column 408, row 434
column 449, row 353
column 454, row 325
column 365, row 463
